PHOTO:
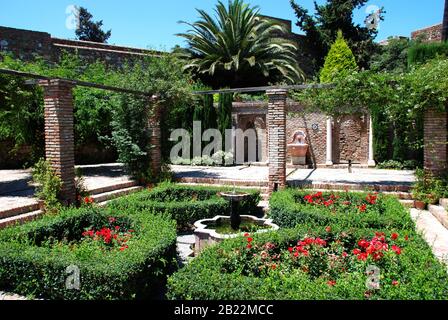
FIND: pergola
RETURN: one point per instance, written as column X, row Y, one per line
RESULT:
column 59, row 136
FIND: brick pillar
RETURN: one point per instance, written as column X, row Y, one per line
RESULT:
column 59, row 140
column 155, row 138
column 276, row 123
column 435, row 141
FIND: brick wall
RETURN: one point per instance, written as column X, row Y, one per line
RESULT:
column 435, row 140
column 430, row 34
column 350, row 133
column 26, row 45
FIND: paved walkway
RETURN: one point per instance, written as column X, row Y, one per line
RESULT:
column 16, row 190
column 367, row 177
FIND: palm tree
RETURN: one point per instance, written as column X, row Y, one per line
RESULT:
column 239, row 47
column 445, row 23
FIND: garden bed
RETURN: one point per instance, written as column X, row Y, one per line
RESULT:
column 186, row 204
column 314, row 263
column 291, row 207
column 119, row 255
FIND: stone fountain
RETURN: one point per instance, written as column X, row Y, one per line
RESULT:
column 298, row 148
column 206, row 229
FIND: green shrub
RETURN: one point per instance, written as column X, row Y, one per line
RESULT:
column 48, row 184
column 185, row 204
column 423, row 52
column 268, row 270
column 339, row 63
column 290, row 207
column 34, row 257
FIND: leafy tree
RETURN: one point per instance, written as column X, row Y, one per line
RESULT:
column 321, row 29
column 238, row 47
column 392, row 56
column 339, row 63
column 89, row 30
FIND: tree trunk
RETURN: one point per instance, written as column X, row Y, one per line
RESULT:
column 445, row 23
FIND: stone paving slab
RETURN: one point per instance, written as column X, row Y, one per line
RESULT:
column 15, row 190
column 316, row 176
column 433, row 233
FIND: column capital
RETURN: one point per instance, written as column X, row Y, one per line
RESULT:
column 272, row 92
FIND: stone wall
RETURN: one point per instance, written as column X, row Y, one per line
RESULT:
column 351, row 139
column 429, row 34
column 26, row 45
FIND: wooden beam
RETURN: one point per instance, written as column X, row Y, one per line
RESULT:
column 75, row 82
column 260, row 89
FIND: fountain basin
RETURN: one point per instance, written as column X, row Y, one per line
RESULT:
column 207, row 230
column 298, row 148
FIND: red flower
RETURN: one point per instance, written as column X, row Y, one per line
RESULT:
column 331, row 283
column 328, row 229
column 362, row 256
column 290, row 249
column 396, row 249
column 250, row 240
column 117, row 228
column 274, row 266
column 395, row 283
column 356, row 251
column 246, row 234
column 249, row 246
column 112, row 220
column 406, row 237
column 394, row 236
column 363, row 208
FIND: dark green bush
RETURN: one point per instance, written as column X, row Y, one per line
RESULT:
column 34, row 257
column 423, row 52
column 224, row 272
column 185, row 204
column 289, row 208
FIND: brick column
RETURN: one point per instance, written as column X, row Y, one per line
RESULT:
column 435, row 141
column 59, row 140
column 155, row 138
column 276, row 122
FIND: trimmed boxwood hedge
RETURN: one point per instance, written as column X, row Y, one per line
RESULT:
column 219, row 273
column 186, row 204
column 289, row 208
column 32, row 263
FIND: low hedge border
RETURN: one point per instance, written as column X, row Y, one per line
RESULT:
column 29, row 266
column 215, row 275
column 186, row 204
column 289, row 208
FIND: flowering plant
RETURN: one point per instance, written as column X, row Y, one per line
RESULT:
column 335, row 202
column 109, row 237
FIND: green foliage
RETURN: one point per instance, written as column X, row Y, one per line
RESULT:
column 397, row 165
column 185, row 204
column 428, row 188
column 322, row 27
column 89, row 30
column 48, row 184
column 339, row 63
column 423, row 52
column 34, row 257
column 231, row 271
column 392, row 57
column 289, row 208
column 239, row 47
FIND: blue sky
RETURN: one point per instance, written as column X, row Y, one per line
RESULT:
column 153, row 23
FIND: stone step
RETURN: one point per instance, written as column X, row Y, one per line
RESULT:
column 440, row 213
column 223, row 182
column 407, row 203
column 20, row 210
column 433, row 232
column 106, row 196
column 19, row 219
column 444, row 203
column 348, row 186
column 117, row 186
